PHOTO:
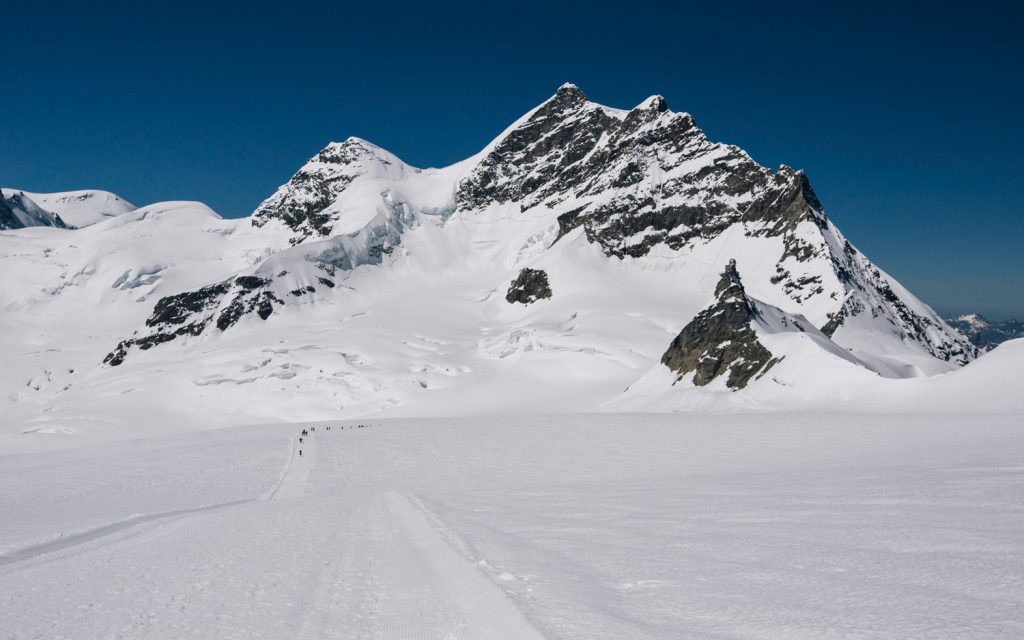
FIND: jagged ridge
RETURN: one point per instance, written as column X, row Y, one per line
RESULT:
column 631, row 182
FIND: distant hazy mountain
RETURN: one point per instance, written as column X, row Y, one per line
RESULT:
column 984, row 334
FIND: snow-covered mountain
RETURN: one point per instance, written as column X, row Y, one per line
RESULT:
column 556, row 268
column 19, row 210
column 985, row 334
column 76, row 209
column 82, row 208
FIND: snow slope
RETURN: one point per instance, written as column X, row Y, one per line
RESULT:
column 77, row 291
column 988, row 385
column 811, row 525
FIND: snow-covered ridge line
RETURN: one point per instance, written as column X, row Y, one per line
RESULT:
column 75, row 209
column 551, row 270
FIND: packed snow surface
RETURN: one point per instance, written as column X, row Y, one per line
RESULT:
column 575, row 526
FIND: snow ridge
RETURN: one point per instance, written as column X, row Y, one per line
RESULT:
column 367, row 285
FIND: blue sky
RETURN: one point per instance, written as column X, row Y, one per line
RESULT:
column 908, row 121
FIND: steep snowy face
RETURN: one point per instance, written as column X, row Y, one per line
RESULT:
column 738, row 339
column 18, row 210
column 312, row 203
column 647, row 178
column 347, row 207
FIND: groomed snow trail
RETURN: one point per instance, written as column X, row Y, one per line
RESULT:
column 647, row 527
column 436, row 593
column 316, row 557
column 293, row 481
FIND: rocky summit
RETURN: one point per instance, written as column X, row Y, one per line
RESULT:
column 721, row 340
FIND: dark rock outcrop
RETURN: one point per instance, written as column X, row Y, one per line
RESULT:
column 190, row 313
column 31, row 214
column 528, row 287
column 653, row 175
column 720, row 339
column 7, row 218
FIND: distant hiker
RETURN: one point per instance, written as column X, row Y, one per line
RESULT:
column 300, row 440
column 300, row 453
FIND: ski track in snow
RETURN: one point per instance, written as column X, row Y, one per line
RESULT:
column 74, row 540
column 358, row 563
column 602, row 527
column 296, row 474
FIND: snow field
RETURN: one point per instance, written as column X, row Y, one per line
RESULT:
column 597, row 526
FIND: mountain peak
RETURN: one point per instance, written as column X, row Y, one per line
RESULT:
column 569, row 95
column 654, row 103
column 302, row 204
column 985, row 334
column 350, row 150
column 730, row 285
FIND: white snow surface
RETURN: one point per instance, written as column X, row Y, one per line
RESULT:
column 84, row 207
column 808, row 525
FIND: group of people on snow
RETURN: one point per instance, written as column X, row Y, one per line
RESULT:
column 305, row 432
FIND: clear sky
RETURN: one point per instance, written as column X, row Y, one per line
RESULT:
column 908, row 119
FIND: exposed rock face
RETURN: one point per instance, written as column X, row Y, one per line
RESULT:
column 720, row 339
column 984, row 334
column 191, row 312
column 636, row 180
column 7, row 218
column 870, row 291
column 529, row 286
column 18, row 211
column 648, row 177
